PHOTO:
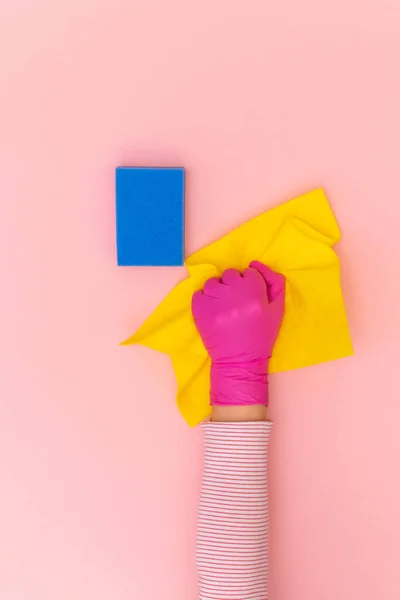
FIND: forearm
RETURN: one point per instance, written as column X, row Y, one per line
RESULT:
column 232, row 541
column 238, row 317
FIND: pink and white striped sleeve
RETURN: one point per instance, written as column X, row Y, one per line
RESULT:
column 232, row 535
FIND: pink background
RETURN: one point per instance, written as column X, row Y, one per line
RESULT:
column 260, row 101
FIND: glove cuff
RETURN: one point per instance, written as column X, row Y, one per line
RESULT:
column 239, row 384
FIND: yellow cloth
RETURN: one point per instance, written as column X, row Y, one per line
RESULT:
column 296, row 239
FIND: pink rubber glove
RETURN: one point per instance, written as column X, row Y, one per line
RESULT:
column 238, row 318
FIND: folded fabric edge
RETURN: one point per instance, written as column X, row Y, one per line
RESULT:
column 194, row 421
column 194, row 279
column 128, row 342
column 314, row 361
column 318, row 193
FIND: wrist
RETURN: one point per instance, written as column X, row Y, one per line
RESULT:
column 235, row 414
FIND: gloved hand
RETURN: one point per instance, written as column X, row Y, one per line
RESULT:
column 238, row 318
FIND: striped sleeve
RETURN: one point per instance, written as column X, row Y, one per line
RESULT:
column 232, row 534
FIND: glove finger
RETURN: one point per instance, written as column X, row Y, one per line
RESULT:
column 275, row 281
column 212, row 287
column 230, row 276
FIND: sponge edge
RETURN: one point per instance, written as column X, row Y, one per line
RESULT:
column 150, row 216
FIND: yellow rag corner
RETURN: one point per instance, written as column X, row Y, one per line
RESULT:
column 296, row 239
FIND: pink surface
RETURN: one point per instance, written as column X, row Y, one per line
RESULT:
column 260, row 101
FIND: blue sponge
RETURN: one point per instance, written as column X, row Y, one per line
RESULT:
column 150, row 216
